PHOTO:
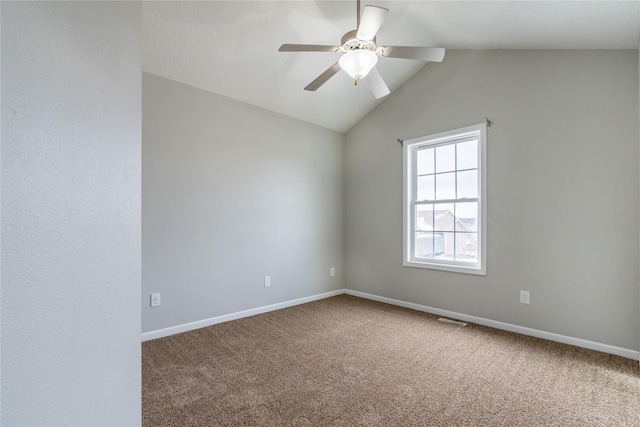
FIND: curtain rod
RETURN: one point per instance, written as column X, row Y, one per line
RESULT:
column 486, row 120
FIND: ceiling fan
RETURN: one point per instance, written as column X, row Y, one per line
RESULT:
column 360, row 53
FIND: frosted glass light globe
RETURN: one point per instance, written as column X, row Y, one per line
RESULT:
column 357, row 63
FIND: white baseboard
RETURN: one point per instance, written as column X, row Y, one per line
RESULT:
column 578, row 342
column 160, row 333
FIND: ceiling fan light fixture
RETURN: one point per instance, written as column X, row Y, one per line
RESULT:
column 357, row 63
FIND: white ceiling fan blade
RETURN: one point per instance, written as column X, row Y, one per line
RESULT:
column 322, row 78
column 377, row 84
column 307, row 48
column 431, row 54
column 372, row 18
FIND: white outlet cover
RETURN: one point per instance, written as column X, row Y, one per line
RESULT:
column 155, row 300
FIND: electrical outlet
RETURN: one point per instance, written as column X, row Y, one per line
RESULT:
column 332, row 271
column 267, row 281
column 155, row 300
column 524, row 297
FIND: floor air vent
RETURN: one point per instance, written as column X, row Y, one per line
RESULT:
column 453, row 322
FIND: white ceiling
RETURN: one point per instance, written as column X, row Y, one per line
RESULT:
column 231, row 47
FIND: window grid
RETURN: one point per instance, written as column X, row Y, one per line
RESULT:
column 456, row 231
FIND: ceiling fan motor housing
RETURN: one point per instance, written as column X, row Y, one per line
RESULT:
column 350, row 41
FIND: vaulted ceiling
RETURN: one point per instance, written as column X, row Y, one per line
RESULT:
column 231, row 47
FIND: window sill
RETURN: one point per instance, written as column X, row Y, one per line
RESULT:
column 446, row 267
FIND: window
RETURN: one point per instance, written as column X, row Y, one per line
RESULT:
column 444, row 201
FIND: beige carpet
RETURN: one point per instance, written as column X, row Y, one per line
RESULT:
column 346, row 361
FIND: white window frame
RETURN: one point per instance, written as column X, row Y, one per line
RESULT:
column 410, row 149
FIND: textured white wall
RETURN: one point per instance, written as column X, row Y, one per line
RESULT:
column 233, row 193
column 71, row 166
column 562, row 190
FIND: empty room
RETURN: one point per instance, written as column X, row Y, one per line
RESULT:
column 320, row 213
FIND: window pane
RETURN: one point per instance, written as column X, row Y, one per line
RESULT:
column 467, row 247
column 423, row 246
column 467, row 184
column 443, row 217
column 447, row 252
column 467, row 155
column 424, row 218
column 426, row 188
column 446, row 186
column 446, row 158
column 467, row 216
column 425, row 161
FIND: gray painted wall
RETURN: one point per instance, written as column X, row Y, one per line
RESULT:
column 71, row 156
column 233, row 193
column 562, row 190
